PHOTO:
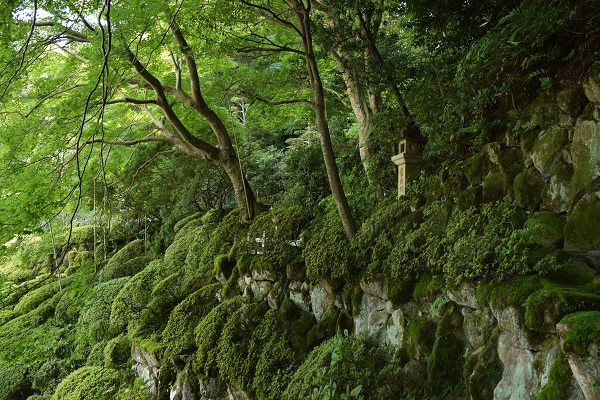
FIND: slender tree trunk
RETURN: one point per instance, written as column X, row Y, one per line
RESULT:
column 302, row 13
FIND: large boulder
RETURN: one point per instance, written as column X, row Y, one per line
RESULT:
column 527, row 189
column 585, row 151
column 546, row 228
column 557, row 192
column 547, row 148
column 591, row 86
column 582, row 230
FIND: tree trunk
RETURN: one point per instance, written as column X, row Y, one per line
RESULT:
column 302, row 13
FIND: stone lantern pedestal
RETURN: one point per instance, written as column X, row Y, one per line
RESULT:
column 408, row 159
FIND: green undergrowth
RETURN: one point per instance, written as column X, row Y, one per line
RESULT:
column 341, row 365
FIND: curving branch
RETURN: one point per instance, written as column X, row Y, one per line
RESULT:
column 277, row 103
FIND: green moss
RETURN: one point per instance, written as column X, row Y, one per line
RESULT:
column 94, row 320
column 527, row 189
column 279, row 225
column 546, row 307
column 195, row 218
column 176, row 253
column 234, row 345
column 156, row 349
column 273, row 354
column 420, row 337
column 584, row 330
column 476, row 168
column 573, row 273
column 134, row 296
column 582, row 230
column 445, row 364
column 327, row 253
column 494, row 187
column 207, row 334
column 344, row 363
column 223, row 266
column 128, row 261
column 231, row 288
column 95, row 357
column 88, row 383
column 31, row 300
column 427, row 288
column 559, row 380
column 179, row 332
column 483, row 370
column 324, row 329
column 13, row 382
column 469, row 197
column 222, row 239
column 511, row 163
column 546, row 228
column 117, row 352
column 512, row 293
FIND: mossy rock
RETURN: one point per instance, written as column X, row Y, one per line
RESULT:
column 95, row 357
column 324, row 329
column 483, row 369
column 128, row 261
column 13, row 382
column 511, row 163
column 117, row 352
column 546, row 228
column 583, row 330
column 545, row 308
column 94, row 319
column 585, row 150
column 208, row 332
column 477, row 168
column 494, row 187
column 559, row 380
column 454, row 185
column 527, row 189
column 32, row 299
column 547, row 148
column 179, row 332
column 223, row 268
column 527, row 139
column 557, row 193
column 88, row 383
column 469, row 197
column 420, row 337
column 234, row 345
column 445, row 363
column 573, row 273
column 582, row 230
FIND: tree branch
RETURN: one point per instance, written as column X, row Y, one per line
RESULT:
column 278, row 103
column 49, row 96
column 339, row 96
column 273, row 16
column 132, row 101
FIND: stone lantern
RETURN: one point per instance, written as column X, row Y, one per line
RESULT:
column 408, row 159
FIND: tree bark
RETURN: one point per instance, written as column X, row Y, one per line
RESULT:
column 185, row 141
column 302, row 13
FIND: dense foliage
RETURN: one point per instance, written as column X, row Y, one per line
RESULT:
column 170, row 172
